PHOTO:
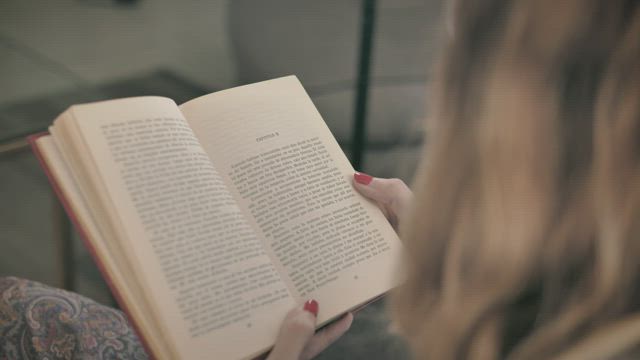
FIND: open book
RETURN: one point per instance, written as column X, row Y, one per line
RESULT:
column 212, row 219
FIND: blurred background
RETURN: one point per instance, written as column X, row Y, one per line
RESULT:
column 57, row 53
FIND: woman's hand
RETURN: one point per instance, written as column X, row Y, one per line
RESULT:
column 392, row 195
column 297, row 338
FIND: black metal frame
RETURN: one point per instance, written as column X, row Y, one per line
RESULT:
column 359, row 134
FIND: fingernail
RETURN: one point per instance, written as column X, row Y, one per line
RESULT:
column 362, row 178
column 311, row 306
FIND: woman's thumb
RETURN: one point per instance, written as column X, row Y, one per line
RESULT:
column 376, row 189
column 297, row 329
column 392, row 195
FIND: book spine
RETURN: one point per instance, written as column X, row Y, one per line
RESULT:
column 85, row 239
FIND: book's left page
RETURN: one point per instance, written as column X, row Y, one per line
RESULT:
column 203, row 272
column 112, row 266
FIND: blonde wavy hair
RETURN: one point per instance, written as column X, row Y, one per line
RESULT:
column 524, row 239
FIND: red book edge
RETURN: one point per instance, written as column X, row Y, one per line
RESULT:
column 31, row 139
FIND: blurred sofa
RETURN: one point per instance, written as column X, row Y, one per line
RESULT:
column 319, row 41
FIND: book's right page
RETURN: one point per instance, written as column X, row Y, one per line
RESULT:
column 293, row 182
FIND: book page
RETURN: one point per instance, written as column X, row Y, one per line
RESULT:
column 109, row 261
column 206, row 275
column 292, row 179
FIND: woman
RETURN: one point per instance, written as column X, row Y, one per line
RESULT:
column 523, row 239
column 522, row 236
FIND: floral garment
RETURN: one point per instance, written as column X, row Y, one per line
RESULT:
column 40, row 322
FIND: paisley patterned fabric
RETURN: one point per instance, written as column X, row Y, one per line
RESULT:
column 40, row 322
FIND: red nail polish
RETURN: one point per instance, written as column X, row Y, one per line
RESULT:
column 311, row 306
column 362, row 178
